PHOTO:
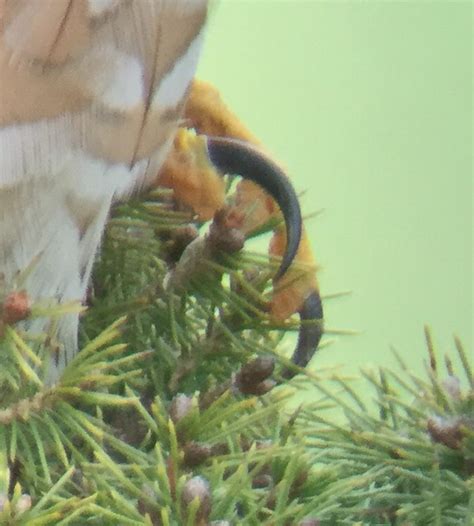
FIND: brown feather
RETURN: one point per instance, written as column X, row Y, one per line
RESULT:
column 91, row 94
column 47, row 32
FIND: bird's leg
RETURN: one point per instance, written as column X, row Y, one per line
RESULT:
column 234, row 149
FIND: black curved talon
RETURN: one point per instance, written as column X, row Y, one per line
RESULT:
column 236, row 157
column 309, row 335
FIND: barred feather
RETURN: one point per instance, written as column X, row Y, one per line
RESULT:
column 91, row 93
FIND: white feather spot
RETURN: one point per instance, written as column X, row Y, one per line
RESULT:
column 125, row 89
column 112, row 77
column 94, row 180
column 175, row 83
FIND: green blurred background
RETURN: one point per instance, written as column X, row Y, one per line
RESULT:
column 369, row 105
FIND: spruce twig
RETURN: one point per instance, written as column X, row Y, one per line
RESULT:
column 173, row 414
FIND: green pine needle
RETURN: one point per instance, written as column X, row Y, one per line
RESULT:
column 151, row 405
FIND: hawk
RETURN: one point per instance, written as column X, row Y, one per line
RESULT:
column 91, row 95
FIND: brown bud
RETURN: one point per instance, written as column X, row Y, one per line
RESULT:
column 16, row 307
column 257, row 370
column 197, row 488
column 262, row 481
column 195, row 454
column 180, row 406
column 223, row 234
column 253, row 379
column 231, row 241
column 258, row 389
column 446, row 431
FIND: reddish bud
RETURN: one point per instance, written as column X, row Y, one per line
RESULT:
column 16, row 307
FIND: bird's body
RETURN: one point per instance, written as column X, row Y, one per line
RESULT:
column 91, row 93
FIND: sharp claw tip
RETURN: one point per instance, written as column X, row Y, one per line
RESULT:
column 310, row 334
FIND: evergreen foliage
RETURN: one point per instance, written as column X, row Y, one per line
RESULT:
column 175, row 412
